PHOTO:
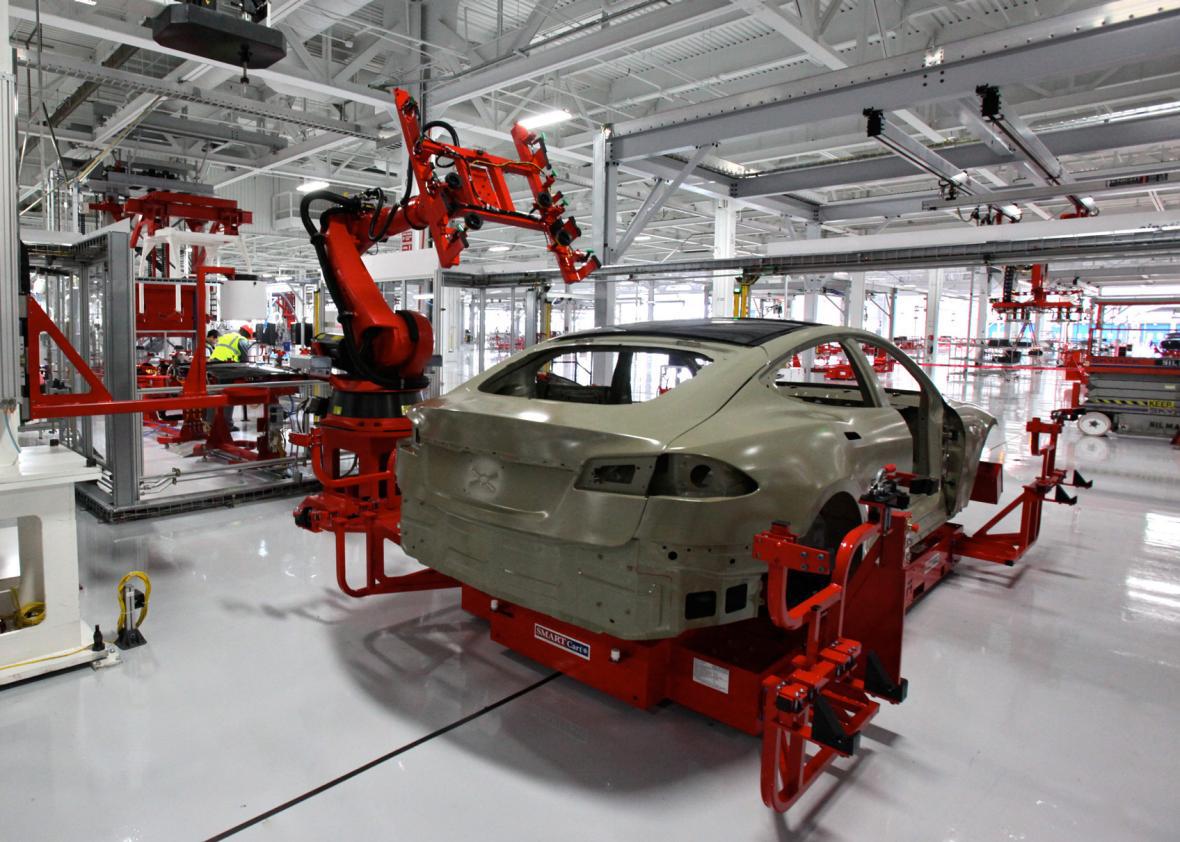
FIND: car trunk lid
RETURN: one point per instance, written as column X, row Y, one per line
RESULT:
column 518, row 461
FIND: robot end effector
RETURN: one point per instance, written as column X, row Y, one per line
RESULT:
column 392, row 349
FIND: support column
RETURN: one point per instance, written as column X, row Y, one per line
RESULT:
column 481, row 333
column 854, row 305
column 9, row 253
column 511, row 320
column 532, row 306
column 124, row 432
column 981, row 314
column 604, row 203
column 891, row 324
column 933, row 297
column 811, row 284
column 811, row 288
column 724, row 245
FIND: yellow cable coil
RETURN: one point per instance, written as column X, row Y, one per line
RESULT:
column 30, row 614
column 147, row 596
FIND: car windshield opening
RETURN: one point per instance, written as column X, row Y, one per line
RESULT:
column 597, row 374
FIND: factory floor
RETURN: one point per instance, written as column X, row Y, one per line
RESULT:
column 267, row 705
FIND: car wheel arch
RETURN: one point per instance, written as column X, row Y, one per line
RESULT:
column 838, row 515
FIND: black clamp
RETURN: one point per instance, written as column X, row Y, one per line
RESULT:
column 828, row 730
column 879, row 684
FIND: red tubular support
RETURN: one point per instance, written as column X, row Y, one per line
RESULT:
column 824, row 701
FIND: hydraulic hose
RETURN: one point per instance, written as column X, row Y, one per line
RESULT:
column 354, row 358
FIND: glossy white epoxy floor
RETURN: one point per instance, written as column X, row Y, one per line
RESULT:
column 1042, row 700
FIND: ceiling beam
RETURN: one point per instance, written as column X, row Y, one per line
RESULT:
column 632, row 34
column 1068, row 44
column 286, row 72
column 124, row 80
column 769, row 14
column 1075, row 141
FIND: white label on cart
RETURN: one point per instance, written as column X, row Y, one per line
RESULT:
column 710, row 675
column 561, row 641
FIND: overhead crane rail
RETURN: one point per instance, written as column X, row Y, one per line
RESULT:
column 1143, row 243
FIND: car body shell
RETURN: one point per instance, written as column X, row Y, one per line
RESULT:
column 494, row 490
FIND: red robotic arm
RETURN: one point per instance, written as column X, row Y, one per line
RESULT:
column 392, row 349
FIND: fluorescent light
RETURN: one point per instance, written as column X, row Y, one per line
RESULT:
column 643, row 238
column 87, row 2
column 308, row 186
column 427, row 296
column 284, row 277
column 546, row 118
column 499, row 248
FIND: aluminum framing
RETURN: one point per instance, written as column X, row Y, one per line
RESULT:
column 138, row 83
column 9, row 232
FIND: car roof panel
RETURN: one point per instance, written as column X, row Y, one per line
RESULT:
column 747, row 332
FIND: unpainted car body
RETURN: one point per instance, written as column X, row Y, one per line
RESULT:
column 635, row 518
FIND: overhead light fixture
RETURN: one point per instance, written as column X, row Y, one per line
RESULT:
column 546, row 118
column 308, row 186
column 643, row 238
column 87, row 2
column 426, row 296
column 284, row 277
column 499, row 248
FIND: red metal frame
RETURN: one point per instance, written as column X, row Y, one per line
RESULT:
column 1022, row 309
column 158, row 209
column 220, row 437
column 97, row 400
column 364, row 499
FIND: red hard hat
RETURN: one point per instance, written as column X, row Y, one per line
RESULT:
column 246, row 331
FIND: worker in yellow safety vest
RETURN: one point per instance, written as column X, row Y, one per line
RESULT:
column 231, row 347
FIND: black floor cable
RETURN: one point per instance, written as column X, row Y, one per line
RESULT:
column 377, row 761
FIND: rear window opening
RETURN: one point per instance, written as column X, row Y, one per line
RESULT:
column 598, row 374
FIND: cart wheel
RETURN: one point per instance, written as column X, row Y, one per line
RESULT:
column 1095, row 424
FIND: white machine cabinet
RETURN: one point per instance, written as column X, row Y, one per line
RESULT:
column 37, row 516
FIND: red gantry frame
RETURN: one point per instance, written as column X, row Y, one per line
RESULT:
column 180, row 310
column 97, row 399
column 160, row 209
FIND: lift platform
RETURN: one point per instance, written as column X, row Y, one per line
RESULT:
column 807, row 676
column 1118, row 392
